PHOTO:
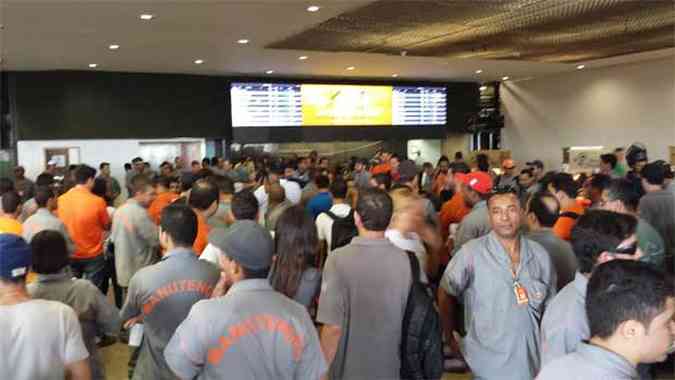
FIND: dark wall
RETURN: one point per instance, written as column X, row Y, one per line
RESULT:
column 83, row 105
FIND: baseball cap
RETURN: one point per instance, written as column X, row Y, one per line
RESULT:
column 536, row 163
column 15, row 257
column 508, row 164
column 51, row 162
column 247, row 243
column 407, row 170
column 478, row 181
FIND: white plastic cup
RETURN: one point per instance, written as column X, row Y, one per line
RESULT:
column 136, row 335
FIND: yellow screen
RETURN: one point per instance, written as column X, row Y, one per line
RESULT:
column 346, row 105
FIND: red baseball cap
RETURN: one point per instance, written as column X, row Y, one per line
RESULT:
column 478, row 181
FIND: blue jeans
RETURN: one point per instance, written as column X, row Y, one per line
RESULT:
column 92, row 269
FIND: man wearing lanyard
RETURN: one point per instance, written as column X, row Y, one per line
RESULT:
column 504, row 281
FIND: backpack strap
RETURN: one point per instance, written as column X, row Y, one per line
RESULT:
column 414, row 266
column 570, row 214
column 331, row 215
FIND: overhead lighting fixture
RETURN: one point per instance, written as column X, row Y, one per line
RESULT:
column 242, row 41
column 114, row 47
column 394, row 75
column 351, row 68
column 313, row 8
column 147, row 16
column 93, row 65
column 303, row 57
column 593, row 147
column 479, row 71
column 580, row 67
column 199, row 61
column 505, row 78
column 269, row 72
column 482, row 88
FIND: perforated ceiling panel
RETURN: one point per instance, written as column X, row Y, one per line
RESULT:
column 534, row 30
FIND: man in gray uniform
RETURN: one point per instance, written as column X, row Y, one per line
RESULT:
column 161, row 295
column 363, row 296
column 476, row 188
column 44, row 219
column 252, row 332
column 598, row 236
column 542, row 213
column 133, row 233
column 505, row 282
column 629, row 324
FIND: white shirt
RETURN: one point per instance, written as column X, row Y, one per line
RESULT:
column 324, row 223
column 410, row 242
column 210, row 254
column 292, row 190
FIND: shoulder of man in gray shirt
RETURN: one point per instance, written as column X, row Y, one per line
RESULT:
column 363, row 281
column 136, row 239
column 253, row 332
column 42, row 220
column 163, row 294
column 589, row 362
column 562, row 255
column 480, row 275
column 473, row 226
column 658, row 209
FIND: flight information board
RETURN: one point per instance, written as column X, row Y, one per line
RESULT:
column 287, row 104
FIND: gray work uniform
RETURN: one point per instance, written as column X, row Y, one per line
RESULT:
column 164, row 293
column 274, row 213
column 650, row 243
column 589, row 362
column 362, row 179
column 217, row 220
column 136, row 240
column 562, row 255
column 364, row 292
column 565, row 324
column 253, row 332
column 28, row 209
column 474, row 225
column 95, row 313
column 502, row 340
column 42, row 220
column 658, row 209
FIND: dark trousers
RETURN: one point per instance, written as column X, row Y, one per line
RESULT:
column 111, row 275
column 93, row 269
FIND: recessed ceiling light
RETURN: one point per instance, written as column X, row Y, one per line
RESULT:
column 114, row 47
column 242, row 41
column 313, row 8
column 505, row 78
column 351, row 68
column 93, row 65
column 479, row 71
column 580, row 67
column 147, row 16
column 269, row 72
column 483, row 88
column 199, row 61
column 394, row 75
column 303, row 57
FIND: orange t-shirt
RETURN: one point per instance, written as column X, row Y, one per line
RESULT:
column 202, row 235
column 381, row 168
column 439, row 183
column 86, row 219
column 563, row 227
column 162, row 200
column 453, row 211
column 10, row 226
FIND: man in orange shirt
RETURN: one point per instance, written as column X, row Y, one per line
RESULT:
column 164, row 198
column 204, row 202
column 11, row 209
column 454, row 210
column 384, row 167
column 86, row 219
column 441, row 176
column 565, row 189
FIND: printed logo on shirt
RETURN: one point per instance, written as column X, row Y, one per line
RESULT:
column 253, row 325
column 183, row 286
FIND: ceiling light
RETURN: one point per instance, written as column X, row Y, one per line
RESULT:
column 269, row 72
column 479, row 71
column 580, row 67
column 303, row 57
column 147, row 16
column 242, row 41
column 313, row 8
column 93, row 65
column 394, row 75
column 351, row 68
column 505, row 78
column 483, row 88
column 114, row 47
column 199, row 61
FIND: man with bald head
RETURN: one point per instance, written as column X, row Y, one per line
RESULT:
column 277, row 205
column 541, row 214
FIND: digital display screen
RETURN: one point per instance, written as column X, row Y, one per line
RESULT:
column 310, row 105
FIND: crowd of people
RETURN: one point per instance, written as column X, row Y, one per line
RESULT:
column 299, row 267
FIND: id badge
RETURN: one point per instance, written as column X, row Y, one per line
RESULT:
column 521, row 294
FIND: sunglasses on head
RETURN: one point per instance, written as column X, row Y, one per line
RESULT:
column 627, row 250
